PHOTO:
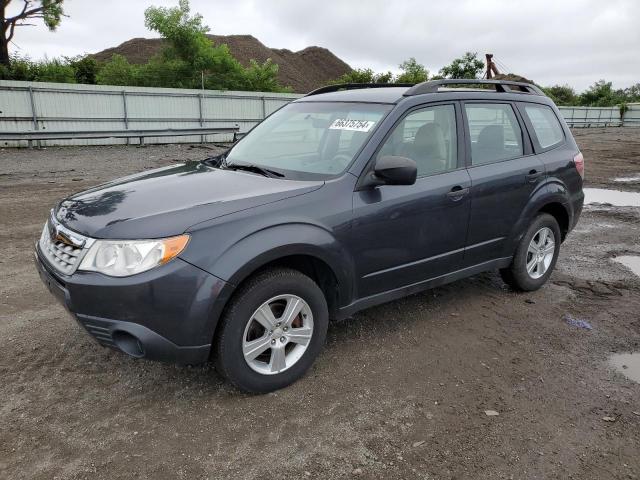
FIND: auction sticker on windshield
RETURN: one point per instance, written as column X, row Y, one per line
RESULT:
column 354, row 125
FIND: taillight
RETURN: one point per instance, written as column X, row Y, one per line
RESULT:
column 578, row 161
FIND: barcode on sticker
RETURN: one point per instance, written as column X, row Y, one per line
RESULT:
column 355, row 125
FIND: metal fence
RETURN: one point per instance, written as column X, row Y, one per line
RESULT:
column 56, row 107
column 27, row 106
column 601, row 116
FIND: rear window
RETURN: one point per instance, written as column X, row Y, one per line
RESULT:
column 545, row 125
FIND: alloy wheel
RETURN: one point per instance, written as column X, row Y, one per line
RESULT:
column 277, row 334
column 540, row 252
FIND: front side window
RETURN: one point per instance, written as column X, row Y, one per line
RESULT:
column 309, row 139
column 495, row 132
column 427, row 136
column 545, row 125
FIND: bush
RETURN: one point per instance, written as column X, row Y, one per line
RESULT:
column 117, row 71
column 562, row 94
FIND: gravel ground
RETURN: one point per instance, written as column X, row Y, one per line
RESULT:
column 400, row 391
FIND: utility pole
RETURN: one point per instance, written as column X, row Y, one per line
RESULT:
column 491, row 66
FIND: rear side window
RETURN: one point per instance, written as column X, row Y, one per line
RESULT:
column 495, row 132
column 545, row 125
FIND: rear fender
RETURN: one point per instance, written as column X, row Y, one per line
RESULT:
column 551, row 191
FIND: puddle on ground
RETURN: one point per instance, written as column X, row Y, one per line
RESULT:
column 635, row 178
column 629, row 261
column 628, row 364
column 616, row 198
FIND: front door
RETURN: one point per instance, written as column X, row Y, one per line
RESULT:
column 403, row 235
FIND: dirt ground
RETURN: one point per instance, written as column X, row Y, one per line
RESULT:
column 400, row 391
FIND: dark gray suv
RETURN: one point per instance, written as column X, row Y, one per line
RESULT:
column 344, row 199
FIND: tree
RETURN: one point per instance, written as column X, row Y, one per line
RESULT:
column 467, row 66
column 85, row 69
column 562, row 95
column 50, row 11
column 263, row 77
column 632, row 93
column 194, row 61
column 412, row 72
column 365, row 75
column 600, row 94
column 117, row 71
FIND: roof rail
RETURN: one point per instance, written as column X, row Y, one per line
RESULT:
column 501, row 86
column 355, row 86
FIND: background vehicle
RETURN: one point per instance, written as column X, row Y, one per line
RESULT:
column 344, row 199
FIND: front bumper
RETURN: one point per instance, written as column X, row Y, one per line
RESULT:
column 168, row 313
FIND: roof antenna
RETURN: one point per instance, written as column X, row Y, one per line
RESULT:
column 491, row 67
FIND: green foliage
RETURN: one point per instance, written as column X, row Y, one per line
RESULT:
column 600, row 94
column 467, row 66
column 624, row 108
column 55, row 71
column 52, row 13
column 117, row 71
column 263, row 77
column 23, row 68
column 364, row 75
column 85, row 68
column 562, row 94
column 632, row 94
column 412, row 72
column 191, row 60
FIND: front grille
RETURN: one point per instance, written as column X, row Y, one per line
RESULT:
column 62, row 249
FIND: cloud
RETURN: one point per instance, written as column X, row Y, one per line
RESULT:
column 549, row 41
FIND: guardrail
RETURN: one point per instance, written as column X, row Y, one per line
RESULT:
column 36, row 135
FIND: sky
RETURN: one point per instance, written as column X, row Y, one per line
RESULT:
column 575, row 42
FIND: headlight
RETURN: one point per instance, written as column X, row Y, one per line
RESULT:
column 121, row 258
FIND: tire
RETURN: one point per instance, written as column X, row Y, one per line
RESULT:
column 244, row 328
column 517, row 275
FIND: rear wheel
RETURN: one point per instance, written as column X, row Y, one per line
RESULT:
column 535, row 256
column 272, row 331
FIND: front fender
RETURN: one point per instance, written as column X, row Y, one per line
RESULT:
column 279, row 241
column 235, row 262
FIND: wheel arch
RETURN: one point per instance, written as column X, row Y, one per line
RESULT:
column 560, row 212
column 543, row 201
column 310, row 250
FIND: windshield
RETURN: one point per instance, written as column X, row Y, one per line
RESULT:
column 309, row 139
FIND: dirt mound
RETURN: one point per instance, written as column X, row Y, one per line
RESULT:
column 305, row 70
column 512, row 77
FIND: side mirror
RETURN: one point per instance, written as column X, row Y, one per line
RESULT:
column 392, row 170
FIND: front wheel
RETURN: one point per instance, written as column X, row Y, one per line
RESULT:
column 535, row 256
column 272, row 331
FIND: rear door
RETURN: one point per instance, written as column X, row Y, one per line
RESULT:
column 504, row 174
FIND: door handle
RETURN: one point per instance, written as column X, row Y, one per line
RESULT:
column 533, row 176
column 457, row 193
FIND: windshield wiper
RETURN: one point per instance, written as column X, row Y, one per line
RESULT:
column 247, row 167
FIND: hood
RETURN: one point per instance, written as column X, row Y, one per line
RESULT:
column 167, row 201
